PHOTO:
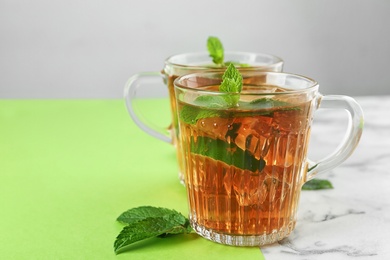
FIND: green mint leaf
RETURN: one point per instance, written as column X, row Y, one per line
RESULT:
column 190, row 114
column 232, row 84
column 140, row 213
column 259, row 107
column 231, row 80
column 267, row 104
column 147, row 222
column 317, row 184
column 209, row 101
column 228, row 153
column 148, row 228
column 215, row 49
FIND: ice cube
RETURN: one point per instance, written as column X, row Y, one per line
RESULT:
column 246, row 188
column 214, row 127
column 253, row 135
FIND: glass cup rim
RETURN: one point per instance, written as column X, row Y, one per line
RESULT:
column 217, row 74
column 277, row 61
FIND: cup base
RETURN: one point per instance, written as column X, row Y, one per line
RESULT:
column 242, row 240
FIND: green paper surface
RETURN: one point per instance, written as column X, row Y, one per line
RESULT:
column 69, row 168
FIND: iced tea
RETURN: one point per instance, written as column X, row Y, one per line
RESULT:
column 244, row 167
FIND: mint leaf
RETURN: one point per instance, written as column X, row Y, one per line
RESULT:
column 317, row 184
column 259, row 107
column 210, row 101
column 215, row 49
column 269, row 103
column 267, row 106
column 148, row 228
column 190, row 114
column 265, row 103
column 147, row 222
column 228, row 153
column 231, row 80
column 232, row 84
column 137, row 214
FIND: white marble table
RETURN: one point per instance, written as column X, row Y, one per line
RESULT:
column 351, row 221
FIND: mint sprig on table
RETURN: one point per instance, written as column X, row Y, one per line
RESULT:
column 147, row 222
column 317, row 184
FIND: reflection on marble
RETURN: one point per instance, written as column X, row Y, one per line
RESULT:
column 351, row 221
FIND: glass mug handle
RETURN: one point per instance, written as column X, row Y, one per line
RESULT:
column 351, row 138
column 131, row 89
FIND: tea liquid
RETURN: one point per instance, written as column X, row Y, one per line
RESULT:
column 244, row 169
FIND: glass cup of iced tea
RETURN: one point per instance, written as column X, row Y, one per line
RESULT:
column 245, row 164
column 154, row 85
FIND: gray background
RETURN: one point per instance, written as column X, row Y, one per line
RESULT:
column 89, row 48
